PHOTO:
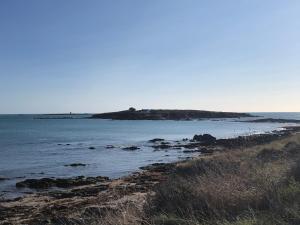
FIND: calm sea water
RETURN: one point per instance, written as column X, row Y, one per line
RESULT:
column 35, row 148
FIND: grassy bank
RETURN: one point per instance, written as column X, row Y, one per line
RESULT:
column 251, row 186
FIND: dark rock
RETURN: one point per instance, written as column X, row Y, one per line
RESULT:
column 131, row 148
column 159, row 167
column 242, row 141
column 156, row 140
column 92, row 148
column 78, row 181
column 191, row 151
column 3, row 178
column 36, row 183
column 45, row 183
column 162, row 146
column 191, row 145
column 131, row 109
column 252, row 140
column 205, row 139
column 76, row 164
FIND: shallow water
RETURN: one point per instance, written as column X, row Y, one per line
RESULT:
column 35, row 148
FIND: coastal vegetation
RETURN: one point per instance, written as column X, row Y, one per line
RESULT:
column 252, row 186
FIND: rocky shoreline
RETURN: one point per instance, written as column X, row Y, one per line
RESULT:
column 86, row 196
column 271, row 120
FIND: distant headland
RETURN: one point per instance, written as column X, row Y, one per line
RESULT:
column 167, row 114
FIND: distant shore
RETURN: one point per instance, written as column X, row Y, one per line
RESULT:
column 167, row 114
column 271, row 120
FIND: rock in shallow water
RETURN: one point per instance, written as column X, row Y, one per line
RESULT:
column 2, row 178
column 60, row 182
column 131, row 148
column 162, row 146
column 76, row 164
column 205, row 139
column 156, row 140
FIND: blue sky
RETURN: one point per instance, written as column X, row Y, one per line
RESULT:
column 96, row 55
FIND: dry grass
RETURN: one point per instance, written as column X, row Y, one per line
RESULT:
column 125, row 213
column 253, row 186
column 260, row 186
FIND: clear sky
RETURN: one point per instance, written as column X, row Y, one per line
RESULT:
column 106, row 55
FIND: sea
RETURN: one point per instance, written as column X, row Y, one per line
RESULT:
column 37, row 146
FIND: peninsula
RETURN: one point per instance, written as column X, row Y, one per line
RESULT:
column 167, row 114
